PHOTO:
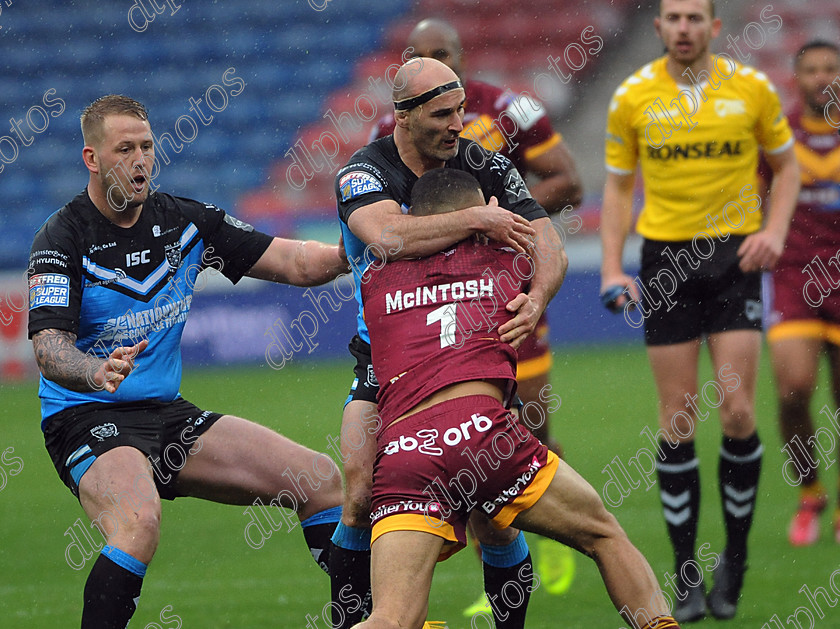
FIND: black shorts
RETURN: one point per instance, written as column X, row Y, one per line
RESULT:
column 166, row 432
column 715, row 297
column 365, row 386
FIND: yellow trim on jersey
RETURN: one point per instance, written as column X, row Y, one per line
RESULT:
column 816, row 126
column 539, row 149
column 532, row 493
column 483, row 131
column 809, row 329
column 421, row 523
column 816, row 167
column 534, row 367
column 699, row 164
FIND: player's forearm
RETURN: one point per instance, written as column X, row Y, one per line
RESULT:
column 616, row 216
column 783, row 195
column 60, row 361
column 550, row 262
column 299, row 262
column 421, row 236
column 558, row 192
column 317, row 263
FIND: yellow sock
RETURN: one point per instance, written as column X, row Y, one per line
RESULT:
column 662, row 622
column 814, row 490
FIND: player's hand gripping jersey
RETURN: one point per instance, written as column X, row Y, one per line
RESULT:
column 376, row 173
column 113, row 286
column 444, row 311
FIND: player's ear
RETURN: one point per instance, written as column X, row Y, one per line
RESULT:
column 401, row 119
column 91, row 159
column 657, row 23
column 716, row 26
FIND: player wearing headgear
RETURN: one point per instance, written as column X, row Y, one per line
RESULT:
column 373, row 193
column 518, row 127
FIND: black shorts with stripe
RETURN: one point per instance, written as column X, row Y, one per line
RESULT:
column 166, row 432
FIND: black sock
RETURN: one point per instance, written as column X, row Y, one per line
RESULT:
column 317, row 531
column 349, row 569
column 508, row 581
column 679, row 490
column 740, row 467
column 112, row 589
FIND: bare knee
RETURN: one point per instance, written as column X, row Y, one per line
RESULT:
column 136, row 533
column 328, row 495
column 738, row 418
column 598, row 533
column 606, row 536
column 794, row 397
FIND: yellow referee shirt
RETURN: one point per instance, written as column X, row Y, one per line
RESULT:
column 698, row 146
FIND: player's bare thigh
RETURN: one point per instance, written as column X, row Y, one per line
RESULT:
column 118, row 494
column 358, row 452
column 570, row 511
column 239, row 461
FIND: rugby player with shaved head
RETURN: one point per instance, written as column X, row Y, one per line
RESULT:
column 518, row 127
column 374, row 195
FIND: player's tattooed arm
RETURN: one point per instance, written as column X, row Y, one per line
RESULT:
column 61, row 362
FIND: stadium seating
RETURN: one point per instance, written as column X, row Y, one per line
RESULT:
column 507, row 44
column 297, row 64
column 289, row 55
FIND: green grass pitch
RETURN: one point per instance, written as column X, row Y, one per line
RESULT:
column 205, row 576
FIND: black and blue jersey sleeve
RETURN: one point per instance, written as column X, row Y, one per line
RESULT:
column 231, row 246
column 358, row 184
column 500, row 178
column 54, row 277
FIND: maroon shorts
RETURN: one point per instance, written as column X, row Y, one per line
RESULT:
column 534, row 356
column 436, row 466
column 803, row 306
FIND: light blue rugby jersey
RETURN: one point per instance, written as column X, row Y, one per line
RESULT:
column 114, row 286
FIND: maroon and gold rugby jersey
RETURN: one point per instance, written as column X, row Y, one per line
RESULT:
column 815, row 228
column 434, row 321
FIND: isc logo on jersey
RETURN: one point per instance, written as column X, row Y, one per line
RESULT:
column 49, row 289
column 357, row 183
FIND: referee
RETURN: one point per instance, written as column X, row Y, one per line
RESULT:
column 695, row 125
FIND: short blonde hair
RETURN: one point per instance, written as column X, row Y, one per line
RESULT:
column 113, row 104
